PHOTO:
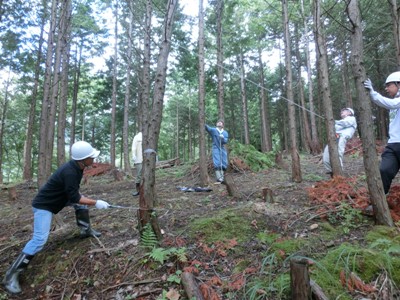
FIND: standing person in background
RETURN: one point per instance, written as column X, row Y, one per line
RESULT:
column 390, row 158
column 345, row 129
column 61, row 190
column 219, row 138
column 137, row 157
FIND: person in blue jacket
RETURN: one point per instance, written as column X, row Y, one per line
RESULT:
column 219, row 138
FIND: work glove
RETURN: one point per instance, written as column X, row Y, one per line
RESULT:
column 368, row 85
column 100, row 204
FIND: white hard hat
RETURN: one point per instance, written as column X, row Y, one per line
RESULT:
column 81, row 150
column 350, row 110
column 394, row 77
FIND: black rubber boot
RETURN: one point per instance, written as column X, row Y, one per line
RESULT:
column 83, row 221
column 11, row 281
column 137, row 193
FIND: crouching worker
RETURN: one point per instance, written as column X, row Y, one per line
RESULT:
column 61, row 190
column 345, row 128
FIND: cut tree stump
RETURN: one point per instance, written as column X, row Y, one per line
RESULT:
column 12, row 193
column 231, row 187
column 191, row 287
column 300, row 279
column 267, row 195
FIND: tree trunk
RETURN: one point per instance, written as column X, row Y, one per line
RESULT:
column 65, row 53
column 202, row 145
column 245, row 113
column 374, row 181
column 396, row 29
column 304, row 113
column 315, row 145
column 345, row 78
column 152, row 125
column 322, row 63
column 77, row 76
column 266, row 141
column 220, row 61
column 296, row 169
column 27, row 173
column 114, row 91
column 43, row 172
column 3, row 122
column 125, row 130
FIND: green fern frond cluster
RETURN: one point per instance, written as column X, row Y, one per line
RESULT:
column 161, row 254
column 148, row 237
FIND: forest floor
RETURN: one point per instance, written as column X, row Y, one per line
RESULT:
column 235, row 248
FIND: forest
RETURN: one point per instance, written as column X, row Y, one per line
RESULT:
column 277, row 73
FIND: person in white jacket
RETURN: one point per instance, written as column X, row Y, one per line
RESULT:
column 390, row 163
column 137, row 157
column 345, row 129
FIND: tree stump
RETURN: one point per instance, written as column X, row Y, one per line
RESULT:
column 12, row 193
column 300, row 279
column 231, row 187
column 267, row 195
column 191, row 287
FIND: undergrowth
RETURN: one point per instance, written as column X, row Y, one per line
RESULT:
column 255, row 159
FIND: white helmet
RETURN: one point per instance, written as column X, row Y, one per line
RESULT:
column 350, row 110
column 81, row 150
column 394, row 77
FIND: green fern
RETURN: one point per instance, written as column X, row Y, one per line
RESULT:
column 148, row 237
column 159, row 254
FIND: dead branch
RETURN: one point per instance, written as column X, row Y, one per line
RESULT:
column 317, row 292
column 151, row 280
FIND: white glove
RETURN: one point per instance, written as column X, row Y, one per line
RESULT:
column 221, row 136
column 368, row 85
column 134, row 158
column 100, row 204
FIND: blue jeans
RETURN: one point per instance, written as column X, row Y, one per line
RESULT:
column 41, row 230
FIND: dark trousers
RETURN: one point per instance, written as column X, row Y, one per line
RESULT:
column 390, row 164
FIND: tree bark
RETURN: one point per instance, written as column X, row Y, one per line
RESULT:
column 65, row 53
column 220, row 61
column 296, row 169
column 322, row 63
column 374, row 181
column 27, row 173
column 315, row 146
column 266, row 141
column 304, row 113
column 245, row 113
column 191, row 287
column 114, row 90
column 125, row 130
column 43, row 171
column 202, row 145
column 77, row 76
column 300, row 279
column 396, row 29
column 152, row 125
column 3, row 123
